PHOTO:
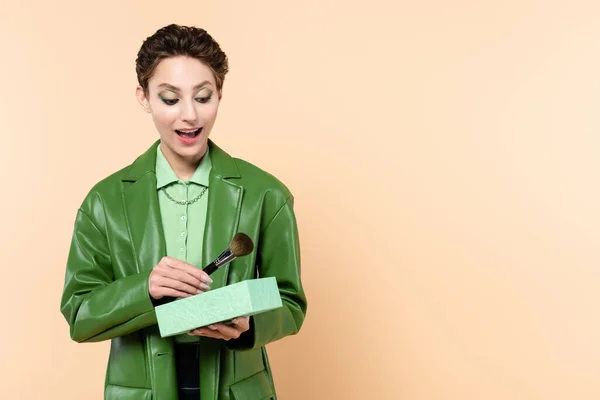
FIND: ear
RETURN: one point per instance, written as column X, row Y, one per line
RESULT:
column 142, row 99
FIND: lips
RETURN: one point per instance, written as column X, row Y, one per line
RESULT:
column 188, row 137
column 188, row 133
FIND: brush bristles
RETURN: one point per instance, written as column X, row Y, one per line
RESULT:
column 241, row 245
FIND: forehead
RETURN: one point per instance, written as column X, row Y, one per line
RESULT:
column 182, row 72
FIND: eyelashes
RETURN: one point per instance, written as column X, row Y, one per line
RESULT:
column 171, row 102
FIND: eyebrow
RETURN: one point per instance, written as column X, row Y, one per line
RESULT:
column 176, row 89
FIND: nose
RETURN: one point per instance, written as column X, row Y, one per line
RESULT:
column 188, row 112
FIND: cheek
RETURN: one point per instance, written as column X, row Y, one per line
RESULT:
column 165, row 116
column 209, row 114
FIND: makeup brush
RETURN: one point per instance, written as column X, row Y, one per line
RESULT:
column 240, row 245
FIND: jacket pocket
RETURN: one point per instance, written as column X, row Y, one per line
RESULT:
column 116, row 392
column 255, row 387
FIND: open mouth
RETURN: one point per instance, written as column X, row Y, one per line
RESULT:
column 188, row 133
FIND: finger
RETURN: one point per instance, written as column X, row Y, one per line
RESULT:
column 207, row 333
column 190, row 270
column 164, row 291
column 180, row 275
column 177, row 285
column 196, row 273
column 242, row 323
column 228, row 331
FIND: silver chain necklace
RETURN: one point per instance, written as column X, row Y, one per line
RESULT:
column 186, row 202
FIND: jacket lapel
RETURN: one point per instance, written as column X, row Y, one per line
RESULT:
column 222, row 220
column 142, row 210
column 223, row 211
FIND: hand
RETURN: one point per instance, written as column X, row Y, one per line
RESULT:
column 176, row 278
column 224, row 331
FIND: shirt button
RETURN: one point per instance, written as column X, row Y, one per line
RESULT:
column 182, row 233
column 183, row 217
column 181, row 250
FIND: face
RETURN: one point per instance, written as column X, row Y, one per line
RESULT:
column 183, row 100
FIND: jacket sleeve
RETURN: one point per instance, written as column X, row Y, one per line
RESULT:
column 279, row 257
column 96, row 306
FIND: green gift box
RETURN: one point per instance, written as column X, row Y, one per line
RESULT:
column 244, row 298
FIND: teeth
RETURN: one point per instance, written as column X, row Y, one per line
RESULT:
column 188, row 131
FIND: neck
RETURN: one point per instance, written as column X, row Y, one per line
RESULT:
column 184, row 167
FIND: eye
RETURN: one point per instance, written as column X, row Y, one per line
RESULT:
column 169, row 102
column 203, row 99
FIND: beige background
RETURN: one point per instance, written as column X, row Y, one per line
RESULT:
column 443, row 156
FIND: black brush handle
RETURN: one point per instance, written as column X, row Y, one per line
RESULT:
column 210, row 268
column 223, row 259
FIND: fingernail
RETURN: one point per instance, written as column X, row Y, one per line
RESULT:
column 205, row 287
column 212, row 327
column 209, row 280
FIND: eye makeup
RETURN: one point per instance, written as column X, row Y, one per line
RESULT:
column 171, row 101
column 206, row 98
column 168, row 100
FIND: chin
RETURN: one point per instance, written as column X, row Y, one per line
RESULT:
column 187, row 151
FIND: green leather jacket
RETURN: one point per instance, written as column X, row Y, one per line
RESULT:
column 118, row 239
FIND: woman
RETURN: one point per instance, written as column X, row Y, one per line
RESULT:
column 144, row 233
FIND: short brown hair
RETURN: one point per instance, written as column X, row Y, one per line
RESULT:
column 176, row 40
